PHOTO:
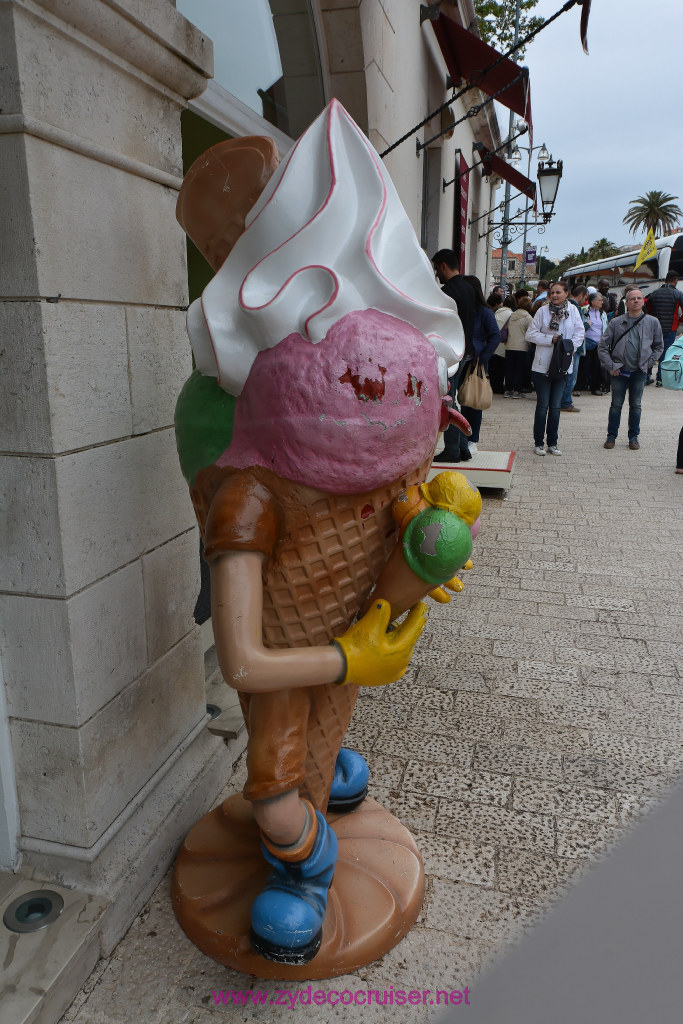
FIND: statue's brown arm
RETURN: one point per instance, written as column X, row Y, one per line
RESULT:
column 237, row 613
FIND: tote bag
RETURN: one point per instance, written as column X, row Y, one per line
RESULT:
column 475, row 391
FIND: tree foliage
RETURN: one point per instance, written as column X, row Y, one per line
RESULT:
column 600, row 249
column 655, row 210
column 497, row 23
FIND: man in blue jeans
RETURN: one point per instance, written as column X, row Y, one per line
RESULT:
column 628, row 350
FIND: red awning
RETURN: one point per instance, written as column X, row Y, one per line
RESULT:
column 466, row 56
column 493, row 164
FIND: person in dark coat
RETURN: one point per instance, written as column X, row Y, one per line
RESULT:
column 446, row 267
column 485, row 341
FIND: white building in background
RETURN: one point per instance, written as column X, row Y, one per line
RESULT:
column 105, row 758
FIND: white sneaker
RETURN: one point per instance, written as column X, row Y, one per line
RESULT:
column 554, row 450
column 539, row 449
column 472, row 447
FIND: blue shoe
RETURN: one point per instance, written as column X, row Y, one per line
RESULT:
column 349, row 782
column 287, row 917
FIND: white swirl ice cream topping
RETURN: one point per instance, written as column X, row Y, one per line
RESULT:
column 327, row 236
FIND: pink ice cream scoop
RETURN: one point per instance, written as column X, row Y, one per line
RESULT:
column 356, row 411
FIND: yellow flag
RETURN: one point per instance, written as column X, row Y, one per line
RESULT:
column 648, row 251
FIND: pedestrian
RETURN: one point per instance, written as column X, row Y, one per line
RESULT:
column 502, row 313
column 579, row 299
column 558, row 319
column 541, row 295
column 628, row 350
column 485, row 341
column 609, row 301
column 621, row 308
column 516, row 348
column 594, row 332
column 446, row 267
column 679, row 456
column 666, row 303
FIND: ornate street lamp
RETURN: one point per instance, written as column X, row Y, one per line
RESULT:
column 516, row 158
column 549, row 174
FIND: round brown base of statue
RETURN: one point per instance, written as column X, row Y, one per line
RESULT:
column 374, row 900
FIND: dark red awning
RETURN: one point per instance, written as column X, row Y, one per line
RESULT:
column 493, row 164
column 466, row 56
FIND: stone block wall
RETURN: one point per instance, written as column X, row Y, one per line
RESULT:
column 99, row 571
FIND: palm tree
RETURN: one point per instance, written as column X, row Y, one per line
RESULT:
column 655, row 210
column 601, row 248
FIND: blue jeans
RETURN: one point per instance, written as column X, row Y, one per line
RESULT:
column 620, row 385
column 548, row 401
column 669, row 339
column 570, row 382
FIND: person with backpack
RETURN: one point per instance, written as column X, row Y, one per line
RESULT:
column 666, row 303
column 557, row 331
column 628, row 350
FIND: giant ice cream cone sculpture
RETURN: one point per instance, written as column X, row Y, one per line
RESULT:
column 322, row 348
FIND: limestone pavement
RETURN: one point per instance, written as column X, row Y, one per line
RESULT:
column 541, row 716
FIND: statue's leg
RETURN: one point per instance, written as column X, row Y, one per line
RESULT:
column 287, row 916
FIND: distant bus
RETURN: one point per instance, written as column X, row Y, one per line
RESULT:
column 619, row 269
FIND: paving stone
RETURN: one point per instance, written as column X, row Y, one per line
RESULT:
column 645, row 752
column 622, row 604
column 476, row 787
column 448, row 723
column 494, row 825
column 414, row 810
column 427, row 959
column 469, row 912
column 627, row 682
column 577, row 838
column 517, row 759
column 501, row 707
column 560, row 611
column 387, row 771
column 651, row 725
column 430, row 697
column 533, row 875
column 632, row 806
column 541, row 797
column 546, row 670
column 590, row 770
column 454, row 680
column 437, row 749
column 447, row 857
column 539, row 735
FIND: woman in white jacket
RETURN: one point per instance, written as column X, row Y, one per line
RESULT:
column 558, row 318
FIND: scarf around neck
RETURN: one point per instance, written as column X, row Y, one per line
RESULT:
column 557, row 314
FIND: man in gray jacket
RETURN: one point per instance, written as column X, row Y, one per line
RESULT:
column 628, row 350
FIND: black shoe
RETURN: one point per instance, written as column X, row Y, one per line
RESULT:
column 445, row 457
column 598, row 393
column 465, row 454
column 659, row 384
column 649, row 381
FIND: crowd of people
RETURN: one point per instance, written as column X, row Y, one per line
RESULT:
column 617, row 345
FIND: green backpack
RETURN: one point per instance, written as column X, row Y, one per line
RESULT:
column 671, row 367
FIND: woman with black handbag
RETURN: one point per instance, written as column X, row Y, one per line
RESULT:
column 556, row 320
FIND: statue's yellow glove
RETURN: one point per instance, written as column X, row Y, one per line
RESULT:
column 374, row 657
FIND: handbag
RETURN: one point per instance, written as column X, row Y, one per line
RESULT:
column 475, row 390
column 504, row 335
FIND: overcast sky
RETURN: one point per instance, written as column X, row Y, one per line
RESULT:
column 613, row 117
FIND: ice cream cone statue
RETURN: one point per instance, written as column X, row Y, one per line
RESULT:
column 322, row 348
